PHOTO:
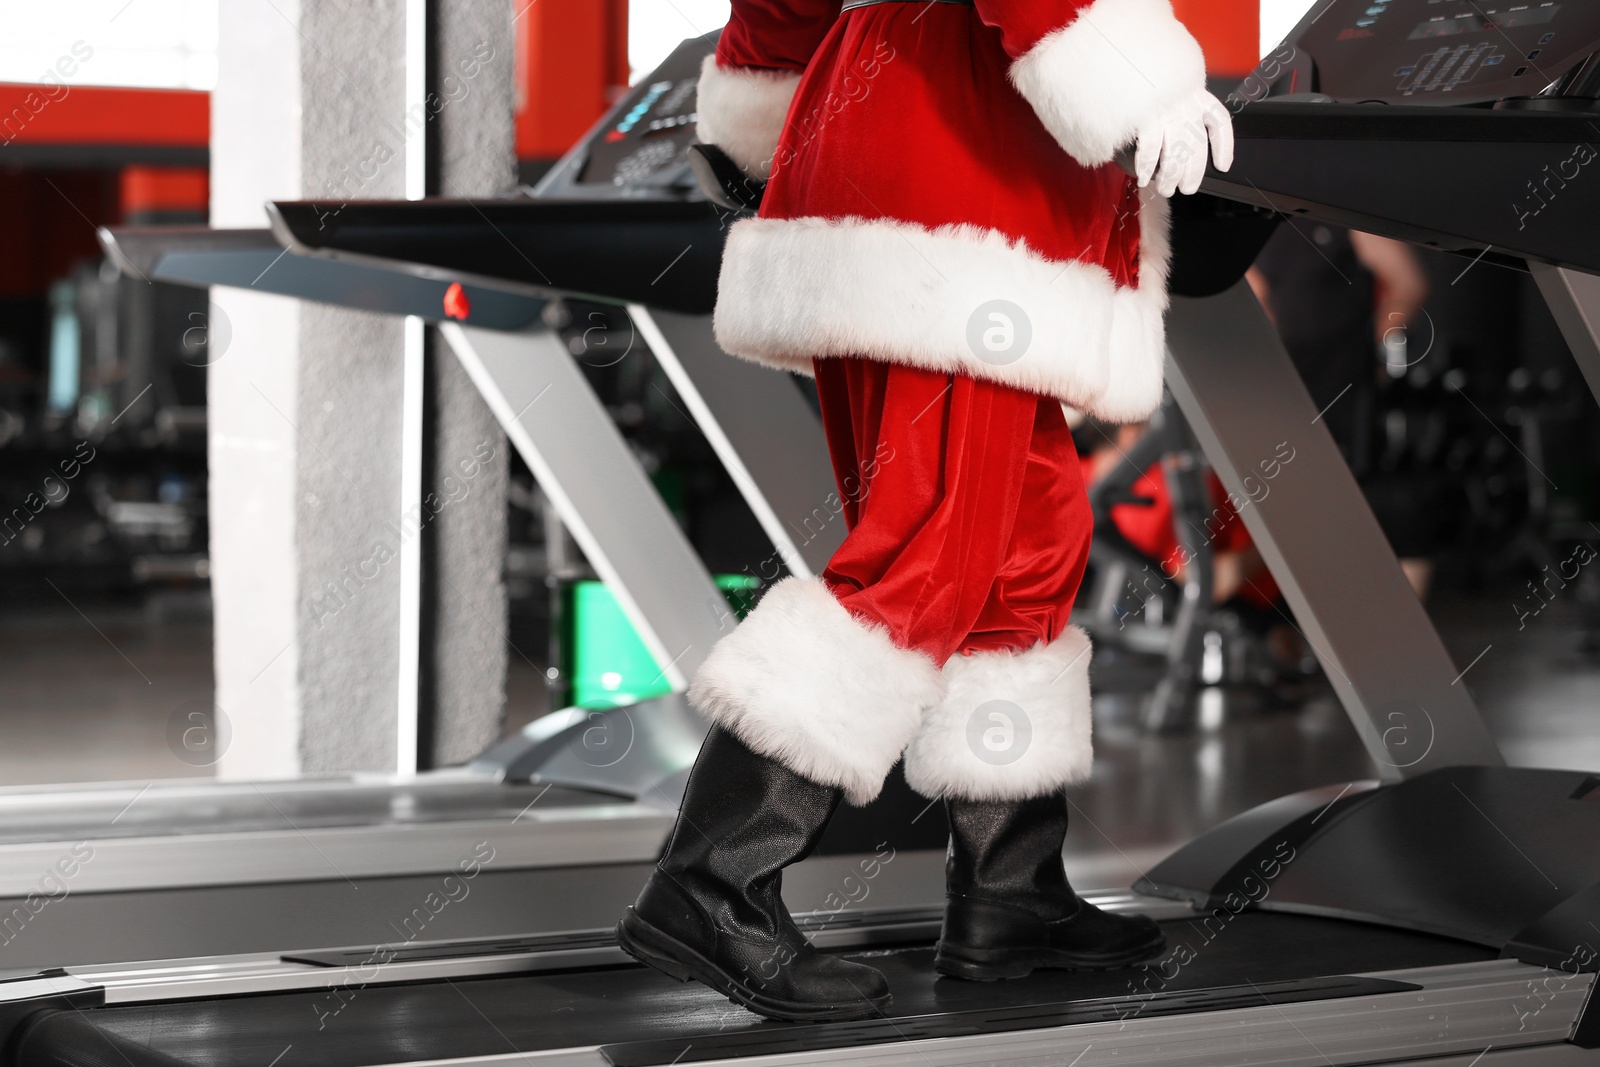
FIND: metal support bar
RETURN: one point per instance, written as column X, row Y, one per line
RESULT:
column 558, row 426
column 408, row 717
column 1252, row 415
column 767, row 437
column 1574, row 299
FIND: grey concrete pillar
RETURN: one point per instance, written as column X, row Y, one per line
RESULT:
column 315, row 558
column 353, row 146
column 474, row 58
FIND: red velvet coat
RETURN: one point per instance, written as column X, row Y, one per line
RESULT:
column 942, row 192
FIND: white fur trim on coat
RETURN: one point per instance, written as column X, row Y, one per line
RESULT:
column 742, row 111
column 1012, row 725
column 795, row 289
column 1103, row 77
column 806, row 683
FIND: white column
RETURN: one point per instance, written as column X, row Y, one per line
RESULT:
column 251, row 393
column 1278, row 17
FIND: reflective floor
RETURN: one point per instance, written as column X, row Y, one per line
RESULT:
column 86, row 696
column 1536, row 680
column 88, row 691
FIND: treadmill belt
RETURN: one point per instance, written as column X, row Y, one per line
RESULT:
column 644, row 1018
column 813, row 1038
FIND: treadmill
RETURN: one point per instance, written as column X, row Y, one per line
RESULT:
column 1447, row 914
column 576, row 806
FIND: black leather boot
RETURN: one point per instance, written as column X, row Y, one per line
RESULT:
column 712, row 909
column 1010, row 909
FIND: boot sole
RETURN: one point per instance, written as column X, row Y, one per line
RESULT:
column 993, row 965
column 673, row 958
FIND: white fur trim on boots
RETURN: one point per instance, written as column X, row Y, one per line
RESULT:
column 742, row 112
column 1103, row 77
column 792, row 290
column 1012, row 725
column 806, row 683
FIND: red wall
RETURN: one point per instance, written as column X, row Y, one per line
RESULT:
column 154, row 190
column 93, row 114
column 572, row 64
column 1229, row 31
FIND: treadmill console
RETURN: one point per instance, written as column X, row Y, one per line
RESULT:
column 640, row 150
column 1440, row 52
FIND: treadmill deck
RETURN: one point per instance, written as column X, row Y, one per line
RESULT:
column 630, row 1016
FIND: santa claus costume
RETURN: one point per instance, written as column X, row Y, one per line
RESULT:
column 948, row 246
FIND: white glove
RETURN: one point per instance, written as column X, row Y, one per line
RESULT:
column 1173, row 149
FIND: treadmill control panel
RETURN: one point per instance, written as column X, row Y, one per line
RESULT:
column 641, row 148
column 1444, row 52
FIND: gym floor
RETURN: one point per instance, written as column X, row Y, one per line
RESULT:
column 89, row 696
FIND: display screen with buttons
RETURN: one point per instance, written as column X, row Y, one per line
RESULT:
column 645, row 144
column 1435, row 51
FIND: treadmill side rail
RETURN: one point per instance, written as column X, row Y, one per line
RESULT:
column 1241, row 857
column 1380, row 168
column 1507, row 857
column 658, row 252
column 253, row 260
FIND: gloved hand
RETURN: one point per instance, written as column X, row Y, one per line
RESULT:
column 1173, row 149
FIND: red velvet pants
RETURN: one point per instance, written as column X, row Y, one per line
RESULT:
column 969, row 527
